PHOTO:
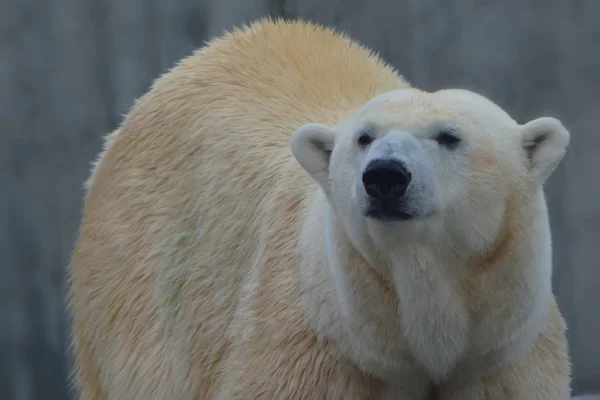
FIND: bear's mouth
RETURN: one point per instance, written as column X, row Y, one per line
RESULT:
column 382, row 212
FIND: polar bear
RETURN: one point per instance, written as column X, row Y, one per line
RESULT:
column 282, row 216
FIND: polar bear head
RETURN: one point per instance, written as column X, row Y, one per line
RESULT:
column 413, row 165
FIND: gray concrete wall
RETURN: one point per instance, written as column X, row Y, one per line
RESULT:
column 70, row 68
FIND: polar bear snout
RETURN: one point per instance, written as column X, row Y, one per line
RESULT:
column 385, row 183
column 396, row 181
column 386, row 179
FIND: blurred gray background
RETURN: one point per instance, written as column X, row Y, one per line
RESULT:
column 69, row 70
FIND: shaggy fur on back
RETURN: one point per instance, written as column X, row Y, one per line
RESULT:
column 196, row 202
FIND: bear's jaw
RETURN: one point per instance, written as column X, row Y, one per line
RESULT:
column 408, row 304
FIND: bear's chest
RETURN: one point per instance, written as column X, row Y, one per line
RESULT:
column 435, row 320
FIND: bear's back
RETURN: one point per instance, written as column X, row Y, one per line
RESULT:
column 194, row 188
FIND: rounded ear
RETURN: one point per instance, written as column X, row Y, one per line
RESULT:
column 312, row 145
column 545, row 140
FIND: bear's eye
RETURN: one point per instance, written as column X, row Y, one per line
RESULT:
column 447, row 139
column 364, row 139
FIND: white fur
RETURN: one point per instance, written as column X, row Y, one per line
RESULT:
column 442, row 329
column 547, row 140
column 186, row 280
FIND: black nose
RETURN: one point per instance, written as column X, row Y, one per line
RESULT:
column 386, row 178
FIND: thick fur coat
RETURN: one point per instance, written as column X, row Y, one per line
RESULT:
column 214, row 262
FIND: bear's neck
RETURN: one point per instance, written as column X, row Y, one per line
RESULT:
column 347, row 301
column 408, row 300
column 415, row 302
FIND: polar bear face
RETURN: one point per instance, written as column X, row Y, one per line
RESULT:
column 412, row 165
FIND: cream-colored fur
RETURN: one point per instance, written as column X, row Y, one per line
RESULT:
column 108, row 141
column 211, row 265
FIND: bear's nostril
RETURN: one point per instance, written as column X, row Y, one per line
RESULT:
column 386, row 178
